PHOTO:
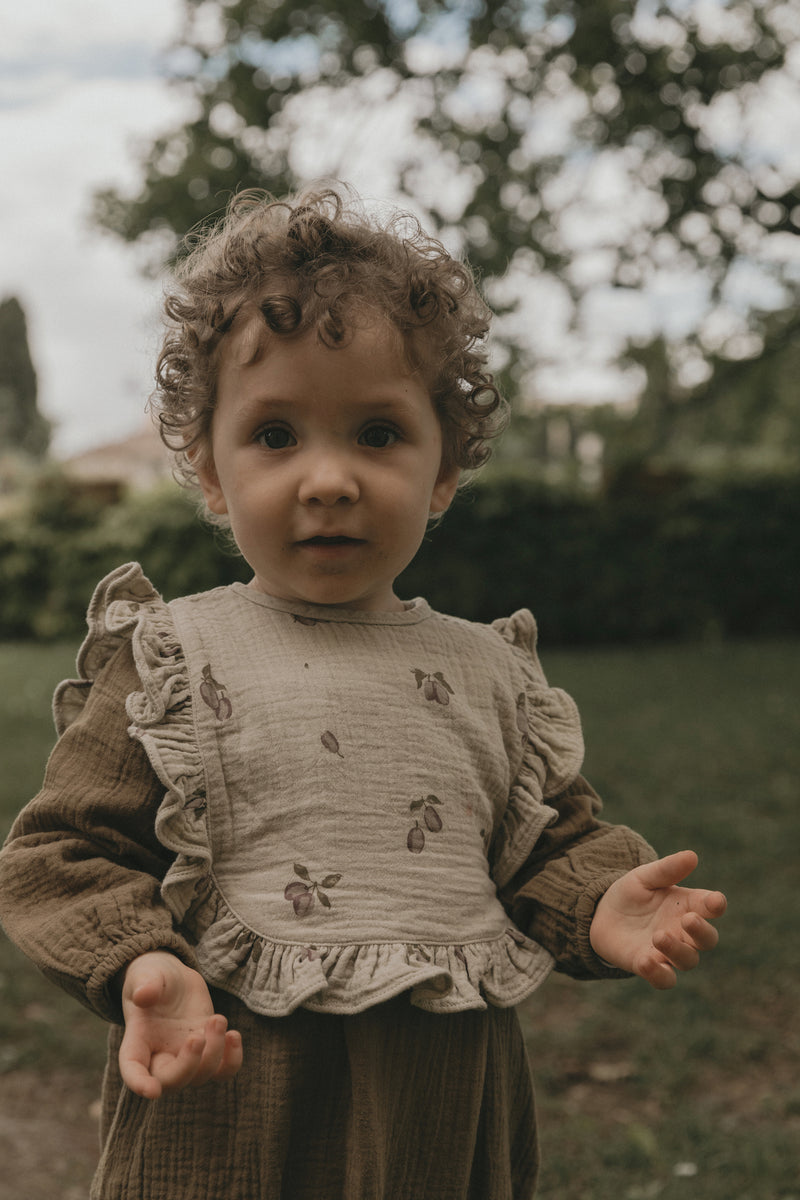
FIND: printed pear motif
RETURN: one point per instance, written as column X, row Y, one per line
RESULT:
column 305, row 891
column 213, row 694
column 434, row 686
column 430, row 818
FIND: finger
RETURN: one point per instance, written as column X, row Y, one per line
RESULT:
column 683, row 956
column 215, row 1033
column 666, row 872
column 713, row 904
column 148, row 994
column 137, row 1077
column 656, row 971
column 700, row 933
column 134, row 1067
column 232, row 1058
column 175, row 1071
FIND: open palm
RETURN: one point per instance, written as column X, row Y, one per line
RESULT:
column 648, row 925
column 173, row 1038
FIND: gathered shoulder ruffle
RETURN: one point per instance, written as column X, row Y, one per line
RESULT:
column 122, row 604
column 550, row 726
column 126, row 607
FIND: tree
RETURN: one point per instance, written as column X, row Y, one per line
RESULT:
column 576, row 150
column 22, row 426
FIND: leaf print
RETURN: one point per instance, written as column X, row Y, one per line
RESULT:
column 433, row 822
column 330, row 743
column 303, row 896
column 434, row 686
column 212, row 693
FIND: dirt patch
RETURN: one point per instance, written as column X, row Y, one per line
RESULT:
column 48, row 1135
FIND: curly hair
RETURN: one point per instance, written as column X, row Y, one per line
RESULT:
column 320, row 262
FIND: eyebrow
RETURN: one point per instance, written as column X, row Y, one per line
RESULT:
column 262, row 403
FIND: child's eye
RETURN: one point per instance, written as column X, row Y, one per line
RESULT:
column 275, row 437
column 379, row 437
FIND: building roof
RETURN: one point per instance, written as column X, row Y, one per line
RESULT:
column 138, row 461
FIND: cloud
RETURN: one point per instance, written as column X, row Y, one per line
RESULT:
column 82, row 92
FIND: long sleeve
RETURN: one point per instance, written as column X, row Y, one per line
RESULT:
column 552, row 898
column 80, row 871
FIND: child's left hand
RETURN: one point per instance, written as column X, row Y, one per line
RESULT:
column 649, row 926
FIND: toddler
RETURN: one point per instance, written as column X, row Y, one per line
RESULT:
column 302, row 843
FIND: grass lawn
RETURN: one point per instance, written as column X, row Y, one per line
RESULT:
column 692, row 1094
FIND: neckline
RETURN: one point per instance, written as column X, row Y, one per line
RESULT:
column 415, row 610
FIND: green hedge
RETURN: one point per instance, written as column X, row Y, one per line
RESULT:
column 701, row 561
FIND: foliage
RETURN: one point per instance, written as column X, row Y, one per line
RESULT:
column 743, row 419
column 22, row 426
column 567, row 146
column 52, row 558
column 688, row 559
column 694, row 745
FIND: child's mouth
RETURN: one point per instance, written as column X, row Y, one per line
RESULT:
column 332, row 541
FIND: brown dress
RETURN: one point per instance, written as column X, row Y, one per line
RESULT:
column 390, row 1103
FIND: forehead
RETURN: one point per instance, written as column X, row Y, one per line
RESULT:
column 372, row 352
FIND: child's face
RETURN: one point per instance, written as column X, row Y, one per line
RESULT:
column 328, row 463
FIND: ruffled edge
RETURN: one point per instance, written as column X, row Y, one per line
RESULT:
column 120, row 602
column 274, row 977
column 126, row 607
column 552, row 754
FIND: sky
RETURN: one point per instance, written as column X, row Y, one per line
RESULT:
column 81, row 83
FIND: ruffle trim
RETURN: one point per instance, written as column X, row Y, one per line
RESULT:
column 550, row 726
column 272, row 977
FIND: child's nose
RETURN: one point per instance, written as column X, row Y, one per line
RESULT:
column 327, row 479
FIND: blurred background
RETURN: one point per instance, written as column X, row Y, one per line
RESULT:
column 624, row 175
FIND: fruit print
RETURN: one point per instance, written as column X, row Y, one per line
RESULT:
column 431, row 819
column 305, row 891
column 416, row 839
column 213, row 694
column 434, row 686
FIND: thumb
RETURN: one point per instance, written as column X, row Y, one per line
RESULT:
column 669, row 871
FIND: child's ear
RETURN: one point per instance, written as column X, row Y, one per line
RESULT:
column 444, row 489
column 209, row 482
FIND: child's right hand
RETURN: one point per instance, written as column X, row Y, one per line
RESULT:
column 172, row 1037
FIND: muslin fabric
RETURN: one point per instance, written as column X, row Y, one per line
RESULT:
column 344, row 792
